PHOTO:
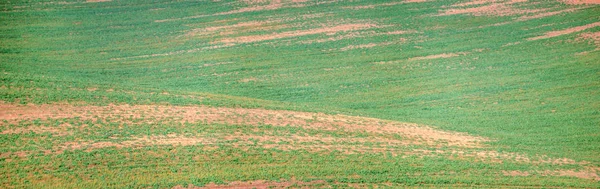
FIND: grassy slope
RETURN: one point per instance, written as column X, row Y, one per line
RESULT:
column 536, row 97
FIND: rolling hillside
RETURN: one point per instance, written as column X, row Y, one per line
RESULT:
column 300, row 93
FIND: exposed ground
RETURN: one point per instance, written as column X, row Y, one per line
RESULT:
column 300, row 94
column 374, row 135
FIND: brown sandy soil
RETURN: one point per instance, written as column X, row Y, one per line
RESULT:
column 488, row 8
column 566, row 31
column 193, row 114
column 96, row 1
column 475, row 2
column 360, row 34
column 61, row 130
column 537, row 13
column 589, row 174
column 173, row 140
column 400, row 32
column 361, row 46
column 384, row 4
column 369, row 45
column 328, row 30
column 316, row 144
column 251, row 26
column 246, row 80
column 248, row 39
column 360, row 7
column 581, row 2
column 495, row 156
column 437, row 56
column 254, row 2
column 516, row 173
column 545, row 14
column 380, row 141
column 175, row 52
column 584, row 174
column 348, row 35
column 258, row 184
column 275, row 4
column 592, row 37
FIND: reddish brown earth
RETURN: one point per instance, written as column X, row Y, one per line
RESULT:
column 258, row 184
column 361, row 46
column 581, row 2
column 384, row 4
column 591, row 37
column 231, row 29
column 328, row 30
column 583, row 174
column 175, row 52
column 565, row 31
column 486, row 8
column 436, row 56
column 465, row 147
column 546, row 14
column 204, row 114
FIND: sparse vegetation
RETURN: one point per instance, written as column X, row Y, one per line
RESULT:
column 299, row 93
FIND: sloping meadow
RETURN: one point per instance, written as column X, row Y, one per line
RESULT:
column 299, row 93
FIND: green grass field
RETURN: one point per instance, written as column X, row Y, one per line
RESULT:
column 300, row 93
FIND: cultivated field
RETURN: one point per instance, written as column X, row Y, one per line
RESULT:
column 300, row 93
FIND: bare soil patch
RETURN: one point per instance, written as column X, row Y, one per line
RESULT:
column 254, row 2
column 537, row 13
column 475, row 2
column 566, row 31
column 246, row 80
column 582, row 174
column 361, row 46
column 349, row 35
column 498, row 157
column 275, row 4
column 545, row 14
column 315, row 144
column 488, row 8
column 96, row 1
column 430, row 57
column 592, row 37
column 437, row 56
column 581, row 2
column 399, row 32
column 59, row 131
column 360, row 7
column 368, row 45
column 258, row 184
column 328, row 30
column 239, row 116
column 252, row 25
column 174, row 52
column 516, row 173
column 361, row 34
column 384, row 4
